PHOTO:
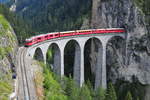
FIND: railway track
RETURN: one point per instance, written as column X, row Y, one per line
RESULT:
column 24, row 89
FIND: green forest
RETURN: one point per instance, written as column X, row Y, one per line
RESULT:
column 41, row 17
column 67, row 89
column 21, row 28
column 56, row 15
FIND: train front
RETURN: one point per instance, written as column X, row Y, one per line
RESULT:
column 28, row 42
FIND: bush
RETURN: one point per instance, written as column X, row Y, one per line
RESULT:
column 53, row 90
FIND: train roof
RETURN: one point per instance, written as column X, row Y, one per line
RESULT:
column 52, row 33
column 109, row 28
column 40, row 35
column 67, row 31
column 85, row 30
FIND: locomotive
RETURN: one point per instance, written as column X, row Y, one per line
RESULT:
column 43, row 37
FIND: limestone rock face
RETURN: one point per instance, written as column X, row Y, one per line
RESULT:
column 118, row 13
column 8, row 50
column 124, row 14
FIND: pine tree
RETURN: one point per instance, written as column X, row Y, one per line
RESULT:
column 75, row 94
column 71, row 89
column 100, row 94
column 90, row 87
column 138, row 98
column 85, row 93
column 129, row 96
column 111, row 94
column 69, row 86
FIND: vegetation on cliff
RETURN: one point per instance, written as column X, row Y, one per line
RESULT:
column 145, row 8
column 5, row 87
column 7, row 44
column 53, row 90
column 20, row 27
column 144, row 5
column 5, row 34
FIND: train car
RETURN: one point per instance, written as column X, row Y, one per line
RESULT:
column 110, row 30
column 53, row 35
column 40, row 38
column 44, row 37
column 34, row 40
column 56, row 35
column 29, row 42
column 49, row 36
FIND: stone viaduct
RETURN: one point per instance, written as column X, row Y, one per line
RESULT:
column 41, row 49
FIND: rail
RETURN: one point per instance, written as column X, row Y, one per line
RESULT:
column 23, row 76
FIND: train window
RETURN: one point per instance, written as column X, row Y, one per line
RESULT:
column 39, row 38
column 35, row 39
column 51, row 35
column 46, row 36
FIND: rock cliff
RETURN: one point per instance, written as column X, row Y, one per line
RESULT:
column 125, row 13
column 8, row 50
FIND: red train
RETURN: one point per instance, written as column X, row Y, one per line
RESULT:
column 43, row 37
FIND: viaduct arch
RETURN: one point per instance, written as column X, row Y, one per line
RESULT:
column 79, row 56
column 53, row 57
column 93, row 54
column 38, row 55
column 72, row 51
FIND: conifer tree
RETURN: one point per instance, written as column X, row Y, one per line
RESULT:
column 111, row 94
column 129, row 96
column 72, row 91
column 100, row 94
column 138, row 98
column 90, row 87
column 85, row 93
column 69, row 86
column 75, row 93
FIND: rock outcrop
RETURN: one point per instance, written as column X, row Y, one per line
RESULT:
column 124, row 13
column 8, row 50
